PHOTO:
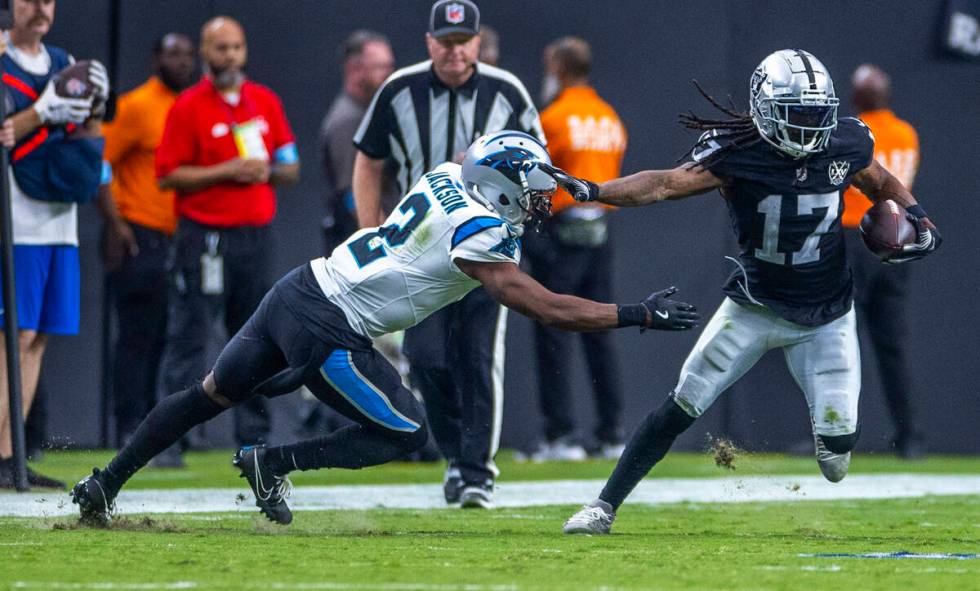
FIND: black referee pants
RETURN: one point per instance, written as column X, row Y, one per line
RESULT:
column 457, row 363
column 139, row 290
column 881, row 297
column 245, row 253
column 584, row 272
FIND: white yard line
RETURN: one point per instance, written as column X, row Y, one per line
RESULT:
column 516, row 494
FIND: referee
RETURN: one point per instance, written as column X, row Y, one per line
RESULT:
column 422, row 116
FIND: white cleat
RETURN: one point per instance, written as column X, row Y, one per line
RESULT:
column 833, row 466
column 593, row 519
column 559, row 450
column 477, row 496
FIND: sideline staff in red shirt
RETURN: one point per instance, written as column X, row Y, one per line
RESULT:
column 225, row 145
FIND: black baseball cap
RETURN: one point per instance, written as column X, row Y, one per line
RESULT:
column 454, row 16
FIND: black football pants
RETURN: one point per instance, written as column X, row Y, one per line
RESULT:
column 245, row 252
column 276, row 353
column 881, row 297
column 139, row 291
column 457, row 363
column 584, row 272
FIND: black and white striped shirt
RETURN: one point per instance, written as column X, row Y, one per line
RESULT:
column 420, row 122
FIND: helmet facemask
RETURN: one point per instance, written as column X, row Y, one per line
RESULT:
column 535, row 202
column 798, row 126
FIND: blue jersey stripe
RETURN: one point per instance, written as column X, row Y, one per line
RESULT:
column 474, row 226
column 342, row 375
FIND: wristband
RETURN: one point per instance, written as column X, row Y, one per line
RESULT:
column 917, row 211
column 632, row 315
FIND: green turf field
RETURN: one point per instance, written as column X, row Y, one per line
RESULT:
column 681, row 546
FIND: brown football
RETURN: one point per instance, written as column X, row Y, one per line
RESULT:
column 885, row 229
column 73, row 81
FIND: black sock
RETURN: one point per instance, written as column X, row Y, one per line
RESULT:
column 351, row 447
column 165, row 425
column 647, row 447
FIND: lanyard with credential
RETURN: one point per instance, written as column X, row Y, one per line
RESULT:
column 248, row 135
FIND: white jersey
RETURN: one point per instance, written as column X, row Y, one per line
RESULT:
column 390, row 278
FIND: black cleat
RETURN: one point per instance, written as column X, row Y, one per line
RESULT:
column 95, row 504
column 452, row 485
column 271, row 490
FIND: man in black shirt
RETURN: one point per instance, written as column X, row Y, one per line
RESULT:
column 422, row 116
column 782, row 169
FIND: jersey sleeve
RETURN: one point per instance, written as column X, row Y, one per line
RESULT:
column 282, row 133
column 525, row 116
column 859, row 142
column 712, row 151
column 123, row 133
column 372, row 135
column 178, row 146
column 484, row 239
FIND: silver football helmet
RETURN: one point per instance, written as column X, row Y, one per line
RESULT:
column 793, row 103
column 501, row 170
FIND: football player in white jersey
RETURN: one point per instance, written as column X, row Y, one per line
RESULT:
column 457, row 228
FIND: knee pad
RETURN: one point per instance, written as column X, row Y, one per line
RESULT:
column 694, row 394
column 840, row 444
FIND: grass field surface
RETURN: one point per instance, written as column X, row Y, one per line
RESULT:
column 765, row 545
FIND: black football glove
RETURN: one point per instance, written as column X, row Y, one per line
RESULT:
column 659, row 312
column 928, row 240
column 579, row 189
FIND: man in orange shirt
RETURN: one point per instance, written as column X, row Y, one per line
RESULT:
column 572, row 252
column 139, row 223
column 881, row 290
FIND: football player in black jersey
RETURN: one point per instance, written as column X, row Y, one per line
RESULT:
column 782, row 169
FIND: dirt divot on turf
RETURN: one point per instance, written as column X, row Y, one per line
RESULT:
column 724, row 452
column 144, row 524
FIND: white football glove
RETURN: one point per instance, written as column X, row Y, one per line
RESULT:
column 99, row 78
column 58, row 110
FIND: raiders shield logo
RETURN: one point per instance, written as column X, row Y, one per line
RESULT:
column 801, row 174
column 455, row 13
column 838, row 171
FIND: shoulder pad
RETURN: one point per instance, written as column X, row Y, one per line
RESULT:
column 708, row 144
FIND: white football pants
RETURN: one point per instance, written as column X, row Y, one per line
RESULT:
column 825, row 362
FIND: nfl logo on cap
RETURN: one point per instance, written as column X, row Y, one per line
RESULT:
column 455, row 13
column 451, row 17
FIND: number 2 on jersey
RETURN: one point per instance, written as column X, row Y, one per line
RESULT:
column 369, row 248
column 772, row 207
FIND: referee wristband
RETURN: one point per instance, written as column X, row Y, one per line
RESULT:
column 632, row 315
column 917, row 211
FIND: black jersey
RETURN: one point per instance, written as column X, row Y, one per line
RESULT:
column 786, row 215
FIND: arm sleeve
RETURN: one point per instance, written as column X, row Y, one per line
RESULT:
column 178, row 146
column 484, row 240
column 372, row 134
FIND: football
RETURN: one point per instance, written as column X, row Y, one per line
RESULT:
column 73, row 81
column 885, row 229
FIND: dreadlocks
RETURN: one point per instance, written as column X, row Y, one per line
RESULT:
column 738, row 131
